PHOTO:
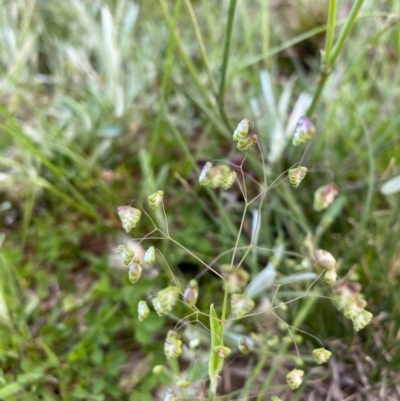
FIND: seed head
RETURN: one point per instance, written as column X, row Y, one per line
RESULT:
column 213, row 176
column 235, row 279
column 135, row 270
column 321, row 355
column 143, row 310
column 330, row 276
column 304, row 131
column 296, row 175
column 241, row 305
column 295, row 378
column 156, row 199
column 247, row 143
column 173, row 345
column 324, row 259
column 242, row 130
column 191, row 293
column 324, row 196
column 355, row 308
column 346, row 293
column 150, row 256
column 360, row 321
column 165, row 300
column 229, row 180
column 129, row 217
column 203, row 174
column 126, row 254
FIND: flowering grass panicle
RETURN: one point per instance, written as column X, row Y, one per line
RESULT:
column 235, row 276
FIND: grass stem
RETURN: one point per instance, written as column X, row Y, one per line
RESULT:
column 225, row 60
column 331, row 57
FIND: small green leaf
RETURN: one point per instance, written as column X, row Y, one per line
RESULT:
column 216, row 363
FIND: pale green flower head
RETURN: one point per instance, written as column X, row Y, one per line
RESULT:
column 324, row 196
column 296, row 175
column 362, row 320
column 229, row 180
column 247, row 143
column 126, row 254
column 295, row 378
column 129, row 217
column 191, row 293
column 304, row 131
column 241, row 305
column 135, row 270
column 150, row 256
column 143, row 310
column 236, row 280
column 156, row 199
column 321, row 355
column 165, row 300
column 242, row 130
column 324, row 259
column 173, row 345
column 330, row 276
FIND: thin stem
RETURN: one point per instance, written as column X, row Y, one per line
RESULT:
column 224, row 308
column 330, row 32
column 224, row 66
column 202, row 47
column 318, row 92
column 165, row 218
column 170, row 270
column 244, row 256
column 239, row 234
column 193, row 255
column 337, row 49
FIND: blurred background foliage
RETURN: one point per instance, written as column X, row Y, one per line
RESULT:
column 103, row 102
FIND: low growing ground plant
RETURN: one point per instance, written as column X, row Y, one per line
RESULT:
column 215, row 327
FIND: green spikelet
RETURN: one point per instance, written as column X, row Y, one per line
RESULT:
column 241, row 305
column 129, row 217
column 304, row 131
column 156, row 199
column 296, row 175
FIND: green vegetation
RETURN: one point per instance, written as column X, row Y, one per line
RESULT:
column 102, row 103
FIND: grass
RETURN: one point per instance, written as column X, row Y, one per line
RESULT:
column 105, row 102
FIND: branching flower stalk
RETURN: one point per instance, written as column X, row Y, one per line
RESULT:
column 234, row 276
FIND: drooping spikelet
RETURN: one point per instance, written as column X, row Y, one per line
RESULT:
column 296, row 175
column 129, row 217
